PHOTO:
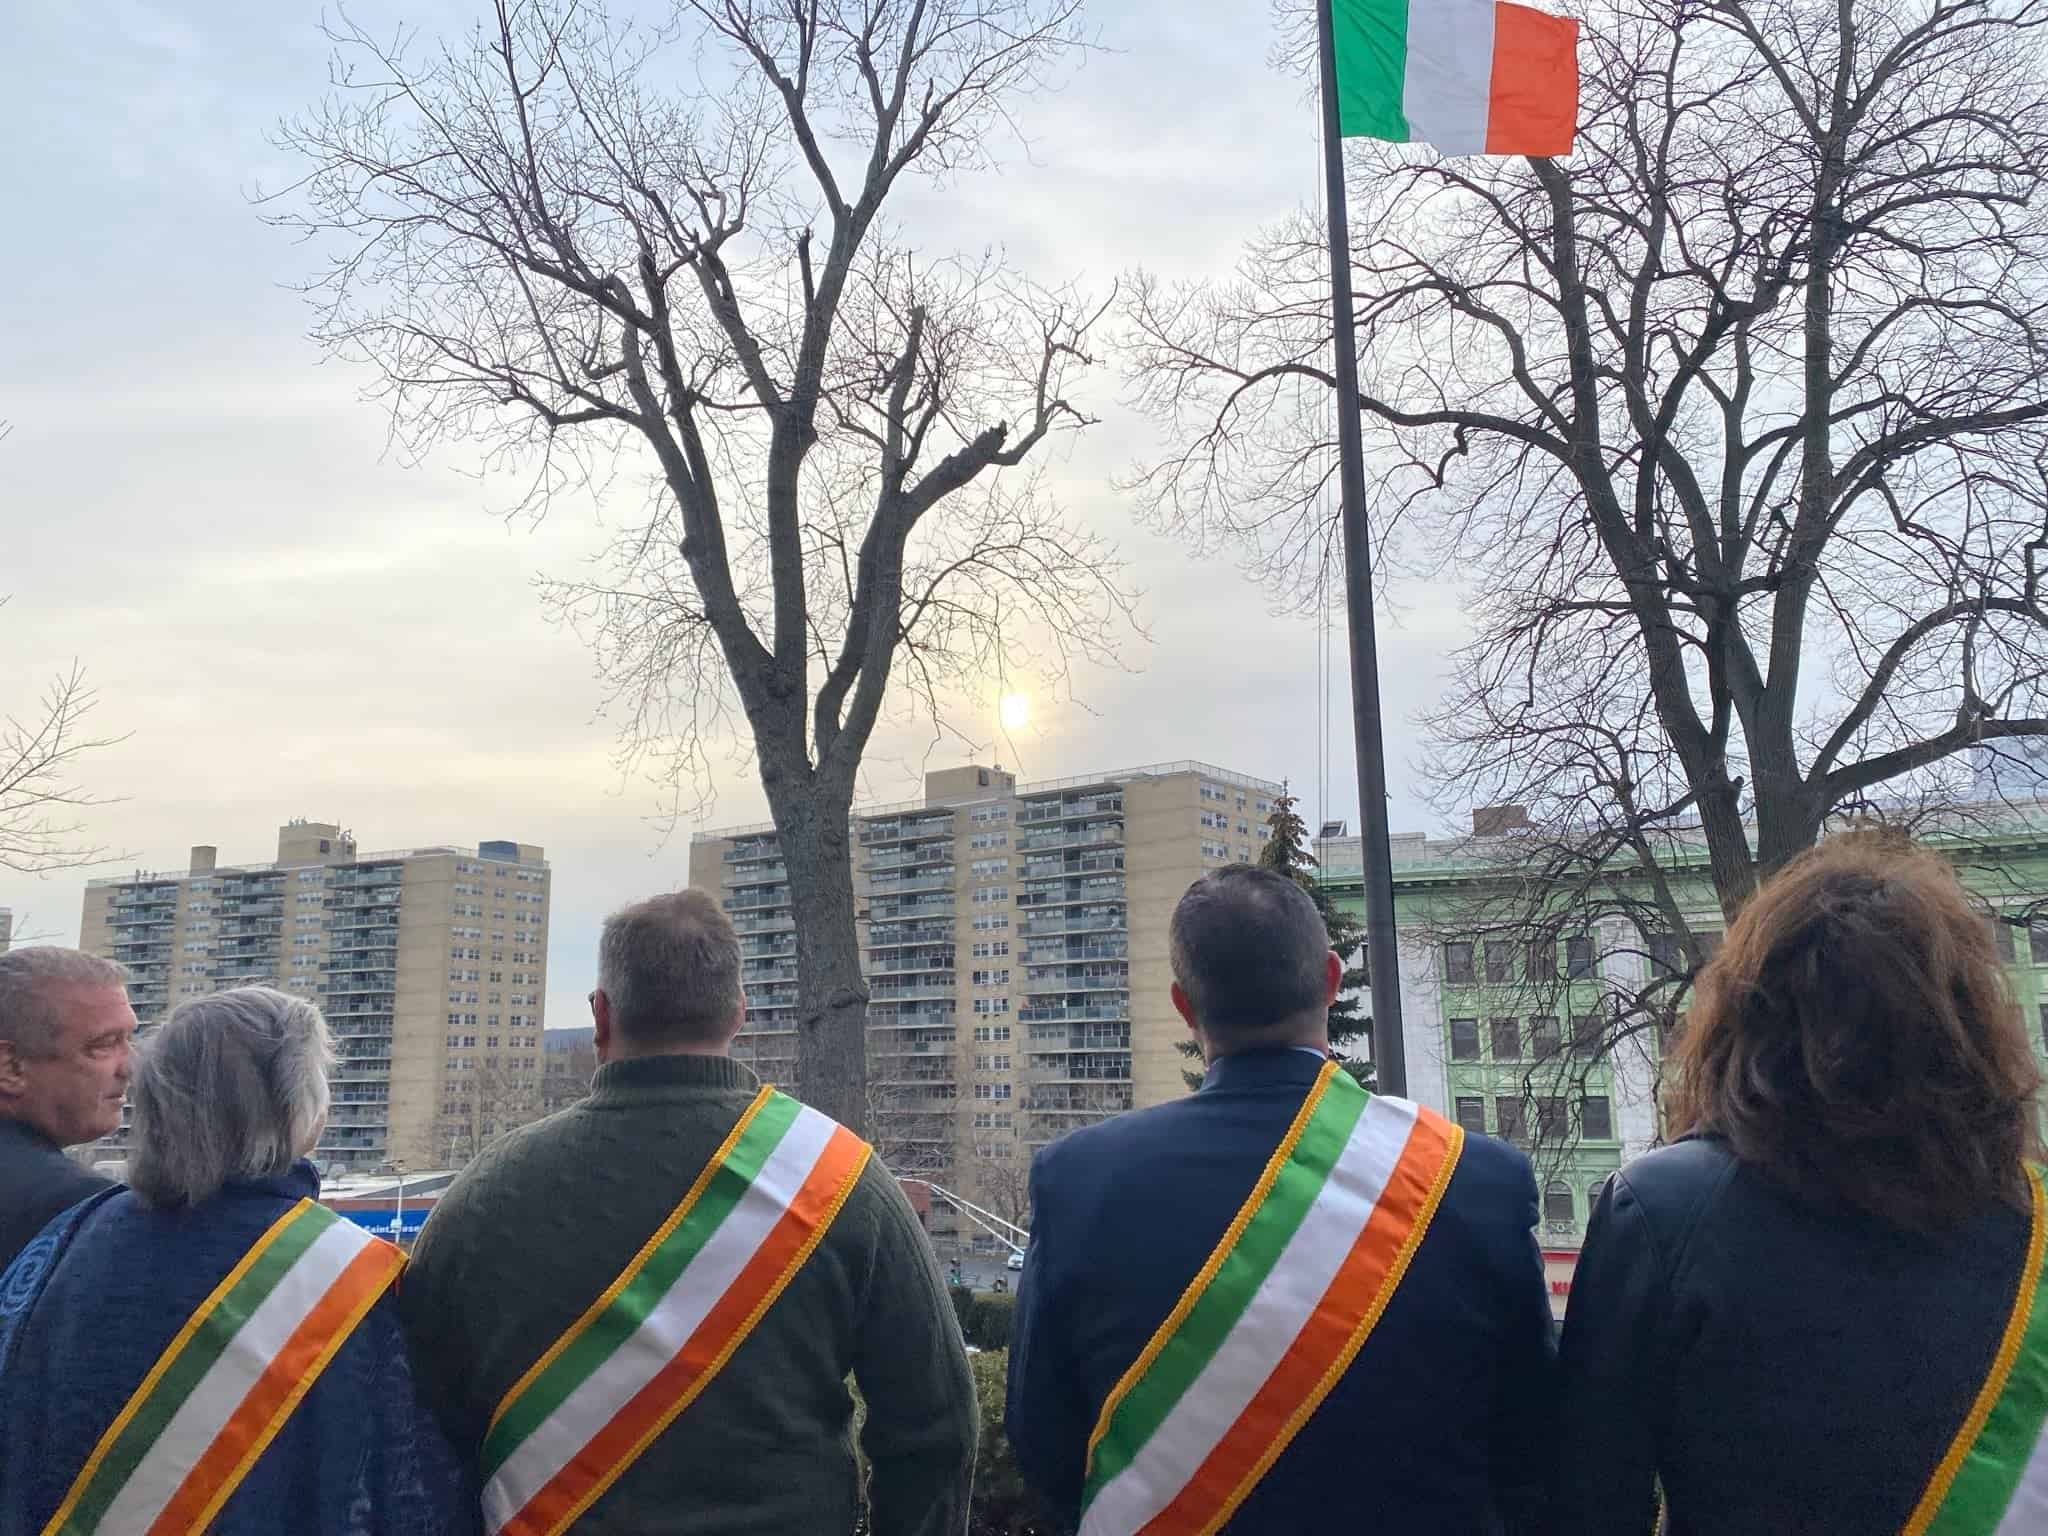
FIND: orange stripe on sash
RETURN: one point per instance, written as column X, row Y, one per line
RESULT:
column 676, row 1385
column 263, row 1410
column 1328, row 1342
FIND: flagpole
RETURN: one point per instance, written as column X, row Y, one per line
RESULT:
column 1389, row 1054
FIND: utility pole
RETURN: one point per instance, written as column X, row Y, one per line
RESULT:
column 1390, row 1060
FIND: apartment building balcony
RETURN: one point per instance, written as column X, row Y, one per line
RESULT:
column 937, row 985
column 1075, row 1013
column 357, row 1008
column 927, row 957
column 902, row 935
column 147, row 896
column 1090, row 976
column 774, row 922
column 1092, row 890
column 1077, row 1098
column 886, row 910
column 1100, row 834
column 772, row 968
column 931, row 826
column 938, row 877
column 888, row 1015
column 368, row 899
column 758, row 899
column 767, row 946
column 1085, row 1067
column 382, row 995
column 1071, row 951
column 740, row 877
column 361, row 876
column 1069, row 865
column 1108, row 919
column 1075, row 808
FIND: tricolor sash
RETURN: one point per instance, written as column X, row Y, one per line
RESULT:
column 1275, row 1316
column 662, row 1330
column 1994, row 1479
column 223, row 1388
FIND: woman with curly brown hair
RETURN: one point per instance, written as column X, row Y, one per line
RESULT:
column 1816, row 1311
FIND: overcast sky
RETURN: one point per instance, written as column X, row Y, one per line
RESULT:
column 287, row 622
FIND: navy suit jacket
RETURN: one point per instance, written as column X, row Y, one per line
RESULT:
column 1439, row 1427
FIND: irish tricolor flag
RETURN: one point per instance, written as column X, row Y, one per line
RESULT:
column 1471, row 77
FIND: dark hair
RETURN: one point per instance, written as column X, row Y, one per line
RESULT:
column 1855, row 1038
column 1249, row 948
column 671, row 967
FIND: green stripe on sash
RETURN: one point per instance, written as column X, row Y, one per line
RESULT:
column 643, row 1290
column 1990, row 1469
column 1235, row 1281
column 184, row 1370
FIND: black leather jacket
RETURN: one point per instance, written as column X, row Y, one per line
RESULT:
column 1782, row 1368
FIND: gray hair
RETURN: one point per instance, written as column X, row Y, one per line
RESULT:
column 231, row 1086
column 31, row 1014
column 671, row 967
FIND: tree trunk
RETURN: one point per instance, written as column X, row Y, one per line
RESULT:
column 832, row 996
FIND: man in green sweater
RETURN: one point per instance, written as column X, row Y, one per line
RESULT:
column 639, row 1315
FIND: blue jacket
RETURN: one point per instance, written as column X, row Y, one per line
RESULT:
column 87, row 1308
column 1439, row 1426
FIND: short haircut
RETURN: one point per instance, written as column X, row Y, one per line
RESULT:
column 1250, row 950
column 1856, row 1041
column 671, row 967
column 32, row 982
column 231, row 1086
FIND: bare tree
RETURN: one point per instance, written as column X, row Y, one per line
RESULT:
column 584, row 245
column 490, row 1098
column 1735, row 424
column 41, row 801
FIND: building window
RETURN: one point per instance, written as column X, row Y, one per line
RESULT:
column 1557, row 1203
column 999, row 978
column 1665, row 957
column 1539, row 959
column 1472, row 1115
column 1551, row 1124
column 1596, row 1119
column 1464, row 1039
column 2037, row 943
column 1500, row 961
column 1508, row 1114
column 1578, row 958
column 1587, row 1029
column 1458, row 963
column 1507, row 1039
column 1543, row 1036
column 2002, row 938
column 1594, row 1191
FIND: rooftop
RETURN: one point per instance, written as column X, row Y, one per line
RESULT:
column 1025, row 791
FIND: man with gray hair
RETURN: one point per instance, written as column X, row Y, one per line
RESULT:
column 65, row 1035
column 644, row 1309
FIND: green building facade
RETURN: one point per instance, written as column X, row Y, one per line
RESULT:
column 1509, row 1034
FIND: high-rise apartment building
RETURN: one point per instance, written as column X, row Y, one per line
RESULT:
column 1015, row 943
column 429, row 963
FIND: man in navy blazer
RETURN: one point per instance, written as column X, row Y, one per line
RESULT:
column 1441, row 1422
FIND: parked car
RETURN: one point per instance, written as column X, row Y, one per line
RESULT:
column 1015, row 1260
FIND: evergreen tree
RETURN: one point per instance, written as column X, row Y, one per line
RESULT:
column 1287, row 851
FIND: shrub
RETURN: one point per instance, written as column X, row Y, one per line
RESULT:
column 992, row 1317
column 966, row 1308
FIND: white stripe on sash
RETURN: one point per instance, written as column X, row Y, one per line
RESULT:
column 201, row 1417
column 679, row 1313
column 2027, row 1514
column 1279, row 1310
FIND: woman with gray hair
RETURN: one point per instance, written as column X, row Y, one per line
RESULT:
column 211, row 1349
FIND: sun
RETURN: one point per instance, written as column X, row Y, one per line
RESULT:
column 1014, row 711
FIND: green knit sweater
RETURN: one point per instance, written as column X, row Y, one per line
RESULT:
column 535, row 1229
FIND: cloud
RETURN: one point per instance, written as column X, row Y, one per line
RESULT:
column 291, row 622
